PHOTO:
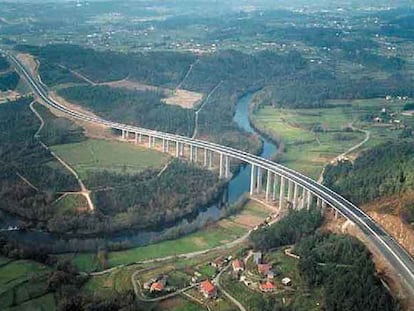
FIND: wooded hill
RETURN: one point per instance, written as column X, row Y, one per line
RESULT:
column 340, row 265
column 141, row 108
column 382, row 171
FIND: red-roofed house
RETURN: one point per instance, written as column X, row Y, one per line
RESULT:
column 237, row 265
column 208, row 289
column 157, row 287
column 264, row 268
column 267, row 287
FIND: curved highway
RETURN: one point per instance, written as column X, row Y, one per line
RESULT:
column 389, row 248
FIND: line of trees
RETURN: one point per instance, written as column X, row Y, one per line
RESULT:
column 288, row 230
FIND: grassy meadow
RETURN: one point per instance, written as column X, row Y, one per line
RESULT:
column 97, row 155
column 313, row 137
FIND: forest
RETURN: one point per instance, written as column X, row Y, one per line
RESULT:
column 142, row 201
column 141, row 108
column 329, row 261
column 289, row 230
column 9, row 81
column 381, row 171
column 155, row 68
column 4, row 64
column 343, row 266
column 31, row 180
column 30, row 176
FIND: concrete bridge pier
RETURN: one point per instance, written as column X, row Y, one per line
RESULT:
column 177, row 149
column 205, row 158
column 195, row 154
column 191, row 153
column 167, row 147
column 259, row 180
column 295, row 196
column 149, row 141
column 290, row 191
column 140, row 138
column 308, row 199
column 136, row 138
column 324, row 206
column 221, row 166
column 252, row 179
column 268, row 185
column 275, row 184
column 282, row 193
column 210, row 160
column 318, row 202
column 227, row 167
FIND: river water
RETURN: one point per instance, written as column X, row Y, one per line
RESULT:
column 237, row 187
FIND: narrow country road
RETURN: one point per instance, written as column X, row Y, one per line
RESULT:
column 352, row 149
column 187, row 74
column 230, row 297
column 201, row 107
column 85, row 192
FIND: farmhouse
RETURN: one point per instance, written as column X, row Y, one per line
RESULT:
column 208, row 289
column 157, row 287
column 264, row 268
column 237, row 265
column 267, row 287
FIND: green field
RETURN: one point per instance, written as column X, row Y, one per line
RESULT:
column 213, row 235
column 69, row 204
column 97, row 155
column 313, row 137
column 23, row 285
column 118, row 281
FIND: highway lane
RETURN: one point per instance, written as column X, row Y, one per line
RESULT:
column 390, row 249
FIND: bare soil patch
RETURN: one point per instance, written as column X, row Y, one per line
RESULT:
column 248, row 221
column 131, row 85
column 29, row 61
column 9, row 96
column 183, row 98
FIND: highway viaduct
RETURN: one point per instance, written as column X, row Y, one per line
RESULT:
column 278, row 183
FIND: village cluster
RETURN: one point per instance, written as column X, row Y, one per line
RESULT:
column 252, row 271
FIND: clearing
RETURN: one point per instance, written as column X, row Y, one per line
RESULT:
column 180, row 97
column 97, row 155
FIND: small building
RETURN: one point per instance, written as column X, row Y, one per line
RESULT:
column 267, row 287
column 208, row 289
column 264, row 268
column 218, row 262
column 157, row 287
column 237, row 265
column 162, row 280
column 270, row 275
column 287, row 281
column 257, row 258
column 378, row 120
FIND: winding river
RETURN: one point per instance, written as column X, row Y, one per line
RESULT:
column 236, row 188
